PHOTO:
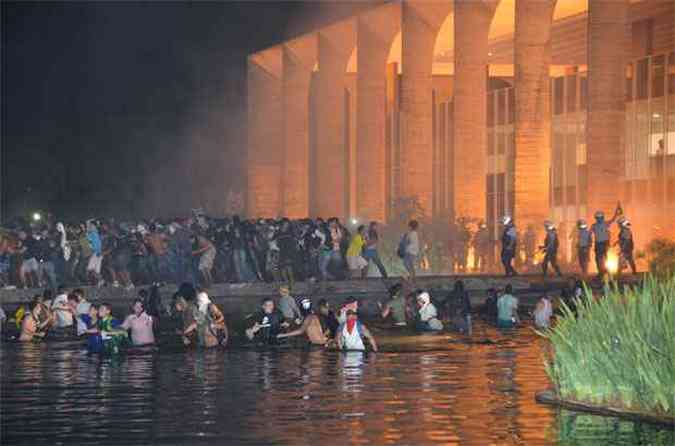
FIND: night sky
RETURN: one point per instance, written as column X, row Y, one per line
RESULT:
column 97, row 95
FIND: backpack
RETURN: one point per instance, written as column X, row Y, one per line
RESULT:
column 402, row 245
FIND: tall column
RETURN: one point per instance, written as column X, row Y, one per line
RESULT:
column 532, row 60
column 299, row 57
column 265, row 134
column 607, row 42
column 420, row 22
column 472, row 26
column 375, row 31
column 335, row 46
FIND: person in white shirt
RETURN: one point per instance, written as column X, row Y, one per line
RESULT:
column 427, row 314
column 63, row 312
column 412, row 250
column 542, row 313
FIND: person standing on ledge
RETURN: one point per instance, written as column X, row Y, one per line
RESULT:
column 584, row 241
column 601, row 237
column 509, row 245
column 550, row 248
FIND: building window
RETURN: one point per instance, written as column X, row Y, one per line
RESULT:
column 571, row 94
column 642, row 79
column 559, row 95
column 658, row 76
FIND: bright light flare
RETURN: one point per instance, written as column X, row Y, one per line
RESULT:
column 355, row 221
column 612, row 262
column 37, row 216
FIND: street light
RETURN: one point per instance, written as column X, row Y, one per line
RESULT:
column 37, row 216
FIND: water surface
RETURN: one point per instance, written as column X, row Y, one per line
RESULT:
column 418, row 391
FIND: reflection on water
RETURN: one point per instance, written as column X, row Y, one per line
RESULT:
column 418, row 391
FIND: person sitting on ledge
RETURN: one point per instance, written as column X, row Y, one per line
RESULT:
column 395, row 307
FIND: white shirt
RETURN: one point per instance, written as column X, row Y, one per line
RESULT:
column 64, row 318
column 352, row 341
column 413, row 247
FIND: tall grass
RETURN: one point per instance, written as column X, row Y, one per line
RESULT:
column 619, row 350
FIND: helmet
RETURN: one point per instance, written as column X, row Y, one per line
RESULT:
column 548, row 224
column 506, row 220
column 624, row 222
column 581, row 224
column 599, row 215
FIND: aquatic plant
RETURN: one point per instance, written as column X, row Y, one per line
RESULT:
column 660, row 253
column 619, row 350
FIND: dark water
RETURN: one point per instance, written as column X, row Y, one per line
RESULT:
column 420, row 391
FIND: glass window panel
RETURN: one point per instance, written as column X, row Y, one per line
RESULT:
column 656, row 142
column 628, row 192
column 571, row 93
column 671, row 73
column 490, row 109
column 642, row 78
column 501, row 142
column 583, row 93
column 557, row 196
column 571, row 195
column 491, row 142
column 658, row 75
column 512, row 105
column 629, row 82
column 559, row 95
column 583, row 184
column 501, row 107
column 571, row 157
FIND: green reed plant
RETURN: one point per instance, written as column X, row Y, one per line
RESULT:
column 619, row 350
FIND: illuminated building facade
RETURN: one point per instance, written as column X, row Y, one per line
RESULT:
column 535, row 108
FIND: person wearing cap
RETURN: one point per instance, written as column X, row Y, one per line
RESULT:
column 601, row 238
column 351, row 304
column 584, row 242
column 311, row 326
column 289, row 307
column 350, row 334
column 626, row 244
column 427, row 314
column 509, row 245
column 550, row 248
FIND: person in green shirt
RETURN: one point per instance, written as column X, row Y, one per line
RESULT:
column 507, row 309
column 396, row 306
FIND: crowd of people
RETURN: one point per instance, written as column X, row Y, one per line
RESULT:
column 198, row 249
column 197, row 321
column 205, row 250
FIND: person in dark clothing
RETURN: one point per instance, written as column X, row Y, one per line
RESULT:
column 288, row 248
column 267, row 324
column 490, row 306
column 550, row 248
column 602, row 237
column 584, row 242
column 328, row 320
column 509, row 245
column 459, row 307
column 626, row 245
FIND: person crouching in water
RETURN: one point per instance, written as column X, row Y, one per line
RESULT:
column 31, row 326
column 350, row 334
column 208, row 322
column 427, row 315
column 395, row 307
column 267, row 324
column 542, row 313
column 140, row 325
column 113, row 337
column 311, row 326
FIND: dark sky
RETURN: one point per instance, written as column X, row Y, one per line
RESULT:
column 97, row 96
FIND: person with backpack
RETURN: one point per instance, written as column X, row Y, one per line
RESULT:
column 409, row 248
